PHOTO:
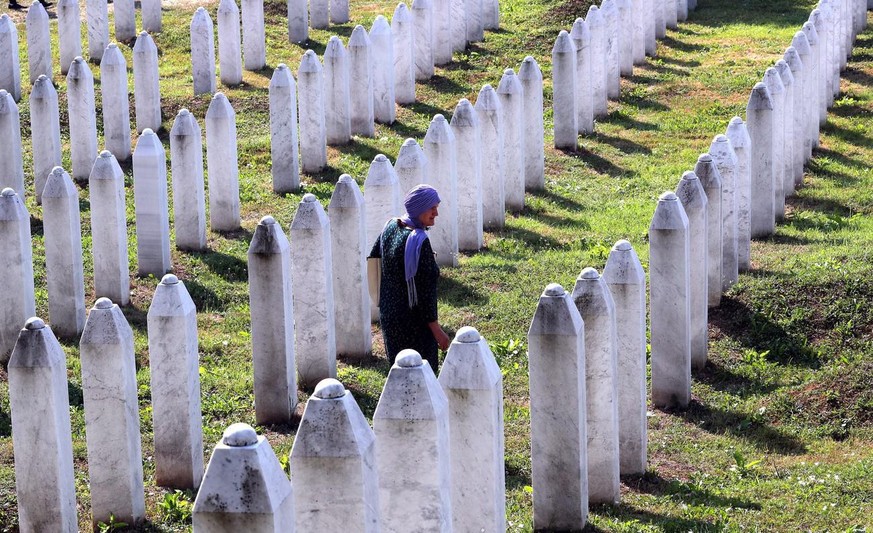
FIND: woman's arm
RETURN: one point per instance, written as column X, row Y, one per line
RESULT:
column 439, row 335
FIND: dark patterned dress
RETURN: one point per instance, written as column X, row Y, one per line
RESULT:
column 403, row 327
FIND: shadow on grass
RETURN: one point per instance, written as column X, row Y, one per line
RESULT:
column 724, row 379
column 205, row 299
column 662, row 522
column 598, row 163
column 557, row 199
column 227, row 267
column 422, row 108
column 682, row 46
column 625, row 145
column 825, row 206
column 459, row 294
column 406, row 130
column 621, row 118
column 775, row 14
column 653, row 483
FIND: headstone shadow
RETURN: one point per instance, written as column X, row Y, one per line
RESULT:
column 623, row 119
column 228, row 267
column 406, row 129
column 459, row 294
column 651, row 482
column 204, row 298
column 598, row 163
column 625, row 145
column 423, row 108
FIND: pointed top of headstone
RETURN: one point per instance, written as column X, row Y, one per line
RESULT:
column 411, row 155
column 34, row 323
column 623, row 245
column 380, row 27
column 816, row 16
column 509, row 83
column 421, row 4
column 690, row 192
column 530, row 70
column 282, row 77
column 595, row 17
column 227, row 6
column 623, row 266
column 171, row 299
column 811, row 34
column 185, row 124
column 359, row 37
column 381, row 173
column 785, row 73
column 707, row 172
column 329, row 389
column 112, row 57
column 37, row 347
column 793, row 59
column 669, row 214
column 78, row 70
column 412, row 391
column 268, row 238
column 556, row 314
column 800, row 43
column 465, row 115
column 144, row 44
column 148, row 145
column 7, row 103
column 11, row 206
column 591, row 294
column 401, row 13
column 310, row 215
column 43, row 88
column 738, row 133
column 334, row 48
column 106, row 167
column 309, row 63
column 564, row 44
column 589, row 273
column 169, row 279
column 201, row 19
column 487, row 99
column 268, row 219
column 467, row 334
column 6, row 24
column 346, row 194
column 106, row 325
column 760, row 97
column 36, row 12
column 239, row 435
column 439, row 131
column 408, row 359
column 773, row 82
column 580, row 32
column 59, row 185
column 219, row 107
column 553, row 290
column 469, row 363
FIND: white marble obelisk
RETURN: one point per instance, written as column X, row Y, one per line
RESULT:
column 69, row 33
column 798, row 71
column 175, row 381
column 312, row 275
column 283, row 131
column 10, row 70
column 811, row 80
column 253, row 36
column 627, row 284
column 742, row 144
column 594, row 302
column 17, row 301
column 585, row 65
column 694, row 202
column 111, row 416
column 474, row 23
column 109, row 230
column 725, row 159
column 440, row 147
column 660, row 7
column 625, row 31
column 813, row 105
column 598, row 55
column 264, row 503
column 222, row 165
column 534, row 130
column 777, row 96
column 82, row 113
column 383, row 197
column 559, row 439
column 491, row 14
column 669, row 294
column 490, row 112
column 458, row 13
column 39, row 49
column 412, row 416
column 124, row 12
column 202, row 52
column 11, row 161
column 382, row 68
column 404, row 50
column 97, row 15
column 473, row 385
column 151, row 15
column 337, row 98
column 760, row 123
column 146, row 89
column 65, row 277
column 45, row 132
column 564, row 92
column 272, row 313
column 613, row 78
column 411, row 165
column 189, row 196
column 788, row 115
column 511, row 95
column 710, row 179
column 339, row 11
column 441, row 42
column 229, row 43
column 39, row 405
column 334, row 460
column 313, row 133
column 638, row 30
column 423, row 38
column 349, row 247
column 298, row 21
column 361, row 74
column 152, row 206
column 116, row 106
column 319, row 14
column 465, row 126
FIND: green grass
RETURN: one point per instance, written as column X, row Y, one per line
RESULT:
column 778, row 436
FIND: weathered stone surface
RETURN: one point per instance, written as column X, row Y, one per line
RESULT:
column 10, row 70
column 272, row 311
column 334, row 459
column 556, row 351
column 594, row 302
column 411, row 165
column 423, row 37
column 189, row 197
column 319, row 14
column 361, row 74
column 788, row 157
column 337, row 99
column 490, row 112
column 69, row 33
column 638, row 32
column 313, row 134
column 626, row 37
column 627, row 284
column 777, row 95
column 229, row 43
column 710, row 179
column 404, row 49
column 694, row 202
column 45, row 132
column 298, row 21
column 598, row 55
column 17, row 302
column 253, row 36
column 610, row 16
column 474, row 23
column 584, row 76
column 813, row 102
column 111, row 416
column 534, row 151
column 311, row 271
column 413, row 417
column 222, row 164
column 116, row 106
column 97, row 15
column 742, row 144
column 146, row 89
column 349, row 248
column 564, row 100
column 798, row 71
column 109, row 242
column 441, row 42
column 760, row 123
column 465, row 126
column 669, row 274
column 650, row 22
column 442, row 173
column 339, row 11
column 11, row 161
column 151, row 15
column 263, row 504
column 152, row 206
column 725, row 159
column 124, row 12
column 473, row 386
column 202, row 52
column 383, row 197
column 175, row 381
column 511, row 95
column 283, row 131
column 804, row 51
column 382, row 69
column 39, row 49
column 41, row 437
column 81, row 110
column 65, row 277
column 491, row 14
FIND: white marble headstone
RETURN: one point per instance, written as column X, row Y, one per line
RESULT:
column 694, row 201
column 69, row 33
column 490, row 112
column 146, row 88
column 585, row 71
column 222, row 164
column 465, row 126
column 81, row 110
column 11, row 161
column 361, row 74
column 710, row 179
column 17, row 301
column 253, row 35
column 760, row 122
column 564, row 92
column 45, row 132
column 283, row 131
column 739, row 137
column 152, row 206
column 10, row 71
column 202, row 52
column 229, row 43
column 511, row 95
column 39, row 50
column 534, row 130
column 404, row 49
column 337, row 98
column 424, row 35
column 189, row 196
column 441, row 149
column 116, row 106
column 411, row 165
column 97, row 17
column 382, row 68
column 313, row 133
column 109, row 230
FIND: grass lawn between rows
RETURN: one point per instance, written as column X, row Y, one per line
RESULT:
column 778, row 436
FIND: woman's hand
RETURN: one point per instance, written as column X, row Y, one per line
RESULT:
column 440, row 336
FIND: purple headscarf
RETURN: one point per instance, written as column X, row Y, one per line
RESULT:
column 417, row 201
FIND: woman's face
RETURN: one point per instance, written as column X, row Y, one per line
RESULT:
column 427, row 218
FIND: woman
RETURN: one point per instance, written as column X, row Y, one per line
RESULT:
column 407, row 293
